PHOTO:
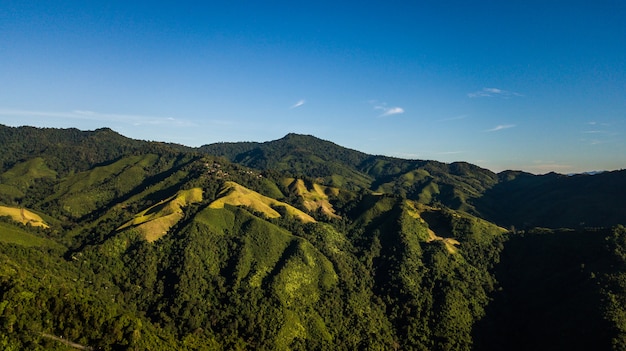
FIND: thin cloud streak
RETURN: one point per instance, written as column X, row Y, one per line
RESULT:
column 388, row 111
column 392, row 111
column 493, row 92
column 97, row 116
column 298, row 104
column 500, row 127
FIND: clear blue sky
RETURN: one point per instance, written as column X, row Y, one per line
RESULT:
column 533, row 85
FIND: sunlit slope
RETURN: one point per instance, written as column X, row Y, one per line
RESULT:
column 416, row 209
column 297, row 154
column 155, row 221
column 413, row 252
column 454, row 185
column 23, row 216
column 14, row 183
column 237, row 195
column 23, row 174
column 315, row 197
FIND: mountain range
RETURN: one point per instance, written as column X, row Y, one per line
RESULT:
column 299, row 244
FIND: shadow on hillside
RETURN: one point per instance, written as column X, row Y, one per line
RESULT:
column 555, row 201
column 550, row 297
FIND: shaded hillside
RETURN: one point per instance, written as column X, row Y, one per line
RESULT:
column 554, row 200
column 559, row 291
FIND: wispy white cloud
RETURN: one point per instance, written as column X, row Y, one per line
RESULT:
column 493, row 92
column 599, row 136
column 393, row 111
column 387, row 111
column 594, row 123
column 298, row 104
column 500, row 127
column 137, row 120
column 428, row 154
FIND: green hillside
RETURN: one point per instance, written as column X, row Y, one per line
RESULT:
column 510, row 198
column 109, row 243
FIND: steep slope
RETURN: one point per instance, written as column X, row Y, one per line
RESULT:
column 156, row 220
column 315, row 197
column 236, row 195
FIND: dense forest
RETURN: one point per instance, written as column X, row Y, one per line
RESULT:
column 110, row 243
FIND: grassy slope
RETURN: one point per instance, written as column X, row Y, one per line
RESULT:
column 23, row 174
column 237, row 195
column 10, row 233
column 84, row 192
column 156, row 221
column 315, row 197
column 15, row 181
column 231, row 270
column 24, row 216
column 415, row 210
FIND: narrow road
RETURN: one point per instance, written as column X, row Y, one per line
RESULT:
column 66, row 342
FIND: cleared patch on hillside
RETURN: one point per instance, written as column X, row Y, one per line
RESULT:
column 237, row 195
column 155, row 221
column 416, row 210
column 23, row 216
column 316, row 197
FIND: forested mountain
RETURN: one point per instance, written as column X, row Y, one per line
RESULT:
column 510, row 198
column 298, row 244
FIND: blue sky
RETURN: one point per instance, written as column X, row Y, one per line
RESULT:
column 533, row 85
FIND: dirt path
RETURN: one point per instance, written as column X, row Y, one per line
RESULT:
column 66, row 342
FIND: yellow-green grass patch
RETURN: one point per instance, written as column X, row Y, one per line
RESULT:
column 237, row 195
column 156, row 220
column 415, row 210
column 23, row 216
column 314, row 198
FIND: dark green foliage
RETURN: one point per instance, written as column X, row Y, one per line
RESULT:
column 559, row 290
column 408, row 265
column 554, row 200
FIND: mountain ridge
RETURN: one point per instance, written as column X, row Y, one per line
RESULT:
column 158, row 246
